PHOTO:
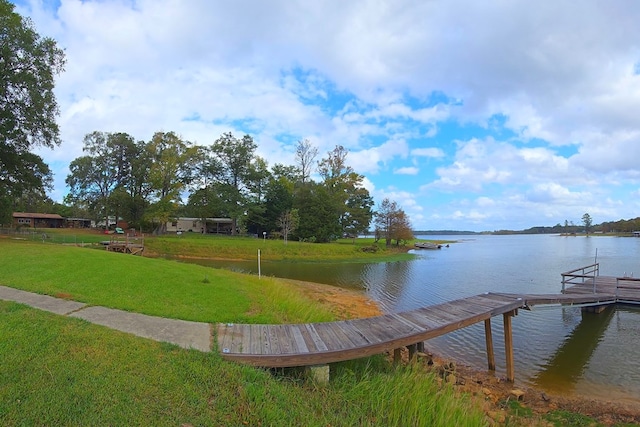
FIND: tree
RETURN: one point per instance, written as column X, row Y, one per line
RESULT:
column 318, row 214
column 239, row 173
column 101, row 177
column 333, row 168
column 28, row 107
column 278, row 199
column 305, row 157
column 169, row 175
column 351, row 199
column 586, row 220
column 392, row 223
column 288, row 222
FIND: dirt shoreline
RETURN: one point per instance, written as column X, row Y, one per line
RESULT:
column 494, row 391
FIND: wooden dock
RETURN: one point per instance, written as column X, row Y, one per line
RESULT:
column 312, row 344
column 126, row 245
column 321, row 343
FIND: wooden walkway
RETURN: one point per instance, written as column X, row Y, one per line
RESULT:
column 322, row 343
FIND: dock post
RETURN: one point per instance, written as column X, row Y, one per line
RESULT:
column 413, row 349
column 397, row 356
column 421, row 347
column 491, row 358
column 320, row 374
column 508, row 345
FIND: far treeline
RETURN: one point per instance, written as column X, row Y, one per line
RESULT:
column 621, row 226
column 143, row 183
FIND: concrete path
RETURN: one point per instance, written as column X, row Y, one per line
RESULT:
column 186, row 334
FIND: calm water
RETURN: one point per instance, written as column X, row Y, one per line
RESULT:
column 559, row 349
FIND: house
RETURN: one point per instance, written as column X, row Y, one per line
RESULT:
column 37, row 220
column 196, row 225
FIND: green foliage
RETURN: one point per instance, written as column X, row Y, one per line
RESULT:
column 239, row 172
column 28, row 108
column 318, row 214
column 517, row 410
column 103, row 179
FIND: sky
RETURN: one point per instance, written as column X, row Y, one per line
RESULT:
column 480, row 116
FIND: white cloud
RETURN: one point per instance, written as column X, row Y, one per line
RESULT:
column 433, row 152
column 409, row 170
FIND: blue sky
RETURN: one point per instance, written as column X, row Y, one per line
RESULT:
column 470, row 115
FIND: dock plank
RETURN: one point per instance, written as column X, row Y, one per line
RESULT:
column 296, row 335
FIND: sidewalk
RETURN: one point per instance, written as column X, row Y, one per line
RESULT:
column 186, row 334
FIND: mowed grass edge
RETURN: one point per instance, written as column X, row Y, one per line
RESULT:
column 155, row 287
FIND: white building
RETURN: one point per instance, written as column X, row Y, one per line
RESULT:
column 196, row 225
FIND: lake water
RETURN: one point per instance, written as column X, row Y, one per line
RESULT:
column 557, row 348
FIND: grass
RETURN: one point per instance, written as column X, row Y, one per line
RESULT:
column 153, row 286
column 64, row 371
column 237, row 247
column 245, row 248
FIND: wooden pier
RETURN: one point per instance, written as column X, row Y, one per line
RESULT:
column 314, row 344
column 127, row 245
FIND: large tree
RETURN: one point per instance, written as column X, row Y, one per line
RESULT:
column 101, row 177
column 169, row 175
column 318, row 218
column 239, row 175
column 28, row 107
column 352, row 201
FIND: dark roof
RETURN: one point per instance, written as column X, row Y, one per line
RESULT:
column 36, row 215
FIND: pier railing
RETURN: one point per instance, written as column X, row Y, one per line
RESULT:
column 626, row 285
column 580, row 275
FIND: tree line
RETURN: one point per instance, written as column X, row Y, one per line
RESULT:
column 145, row 183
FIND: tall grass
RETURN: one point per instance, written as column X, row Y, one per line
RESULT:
column 64, row 371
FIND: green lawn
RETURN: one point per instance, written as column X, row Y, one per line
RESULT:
column 152, row 286
column 236, row 247
column 63, row 371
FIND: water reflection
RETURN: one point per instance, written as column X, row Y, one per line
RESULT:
column 566, row 367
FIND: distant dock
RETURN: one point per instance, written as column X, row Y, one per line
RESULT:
column 133, row 245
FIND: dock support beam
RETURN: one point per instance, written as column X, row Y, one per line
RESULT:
column 397, row 356
column 508, row 344
column 491, row 358
column 413, row 349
